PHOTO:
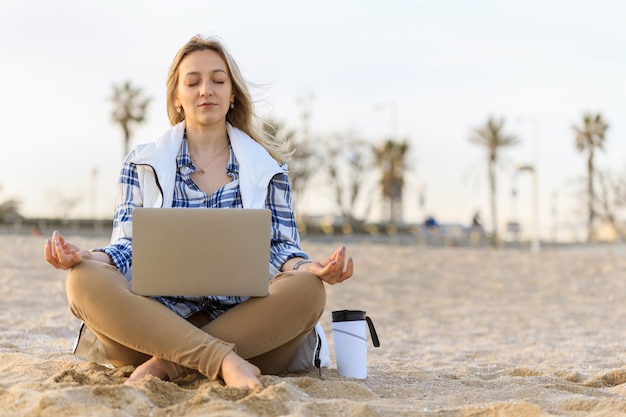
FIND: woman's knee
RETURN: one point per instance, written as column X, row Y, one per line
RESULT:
column 315, row 289
column 81, row 277
column 88, row 281
column 304, row 288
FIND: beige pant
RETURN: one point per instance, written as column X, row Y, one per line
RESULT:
column 264, row 330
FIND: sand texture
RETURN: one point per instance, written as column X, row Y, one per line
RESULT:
column 464, row 332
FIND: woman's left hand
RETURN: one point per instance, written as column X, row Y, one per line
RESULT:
column 333, row 270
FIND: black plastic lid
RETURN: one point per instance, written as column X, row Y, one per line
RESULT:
column 348, row 315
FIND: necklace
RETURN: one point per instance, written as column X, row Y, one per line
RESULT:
column 201, row 171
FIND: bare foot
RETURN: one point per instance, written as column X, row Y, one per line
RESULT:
column 152, row 366
column 239, row 373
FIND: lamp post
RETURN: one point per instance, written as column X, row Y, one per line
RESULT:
column 534, row 246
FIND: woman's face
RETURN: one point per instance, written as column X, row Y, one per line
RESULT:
column 204, row 88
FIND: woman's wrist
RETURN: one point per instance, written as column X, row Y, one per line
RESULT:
column 299, row 263
column 99, row 255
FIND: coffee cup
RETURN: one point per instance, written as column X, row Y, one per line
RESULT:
column 350, row 341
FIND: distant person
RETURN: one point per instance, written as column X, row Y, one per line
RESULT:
column 477, row 222
column 430, row 222
column 202, row 161
column 431, row 225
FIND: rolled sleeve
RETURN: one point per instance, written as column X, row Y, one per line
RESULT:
column 128, row 197
column 285, row 240
column 121, row 253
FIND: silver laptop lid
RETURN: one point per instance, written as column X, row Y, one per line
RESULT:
column 191, row 252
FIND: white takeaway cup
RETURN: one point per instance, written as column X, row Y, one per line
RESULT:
column 350, row 341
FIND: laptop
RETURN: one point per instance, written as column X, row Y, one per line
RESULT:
column 201, row 251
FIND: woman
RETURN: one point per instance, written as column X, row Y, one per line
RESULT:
column 213, row 156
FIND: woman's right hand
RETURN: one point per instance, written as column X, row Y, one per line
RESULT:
column 61, row 254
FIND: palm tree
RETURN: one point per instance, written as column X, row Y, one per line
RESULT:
column 129, row 107
column 589, row 137
column 390, row 158
column 492, row 138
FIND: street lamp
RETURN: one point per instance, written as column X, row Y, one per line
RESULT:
column 535, row 206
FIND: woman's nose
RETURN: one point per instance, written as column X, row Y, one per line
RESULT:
column 205, row 90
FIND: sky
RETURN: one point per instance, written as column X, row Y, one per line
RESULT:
column 425, row 71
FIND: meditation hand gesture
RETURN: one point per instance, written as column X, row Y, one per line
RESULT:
column 332, row 269
column 61, row 254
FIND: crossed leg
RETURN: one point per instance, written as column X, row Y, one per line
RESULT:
column 266, row 331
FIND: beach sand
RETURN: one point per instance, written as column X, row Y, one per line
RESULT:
column 463, row 332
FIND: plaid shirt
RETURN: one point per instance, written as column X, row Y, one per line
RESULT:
column 285, row 240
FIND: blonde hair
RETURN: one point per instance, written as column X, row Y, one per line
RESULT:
column 242, row 115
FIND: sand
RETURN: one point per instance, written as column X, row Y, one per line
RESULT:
column 464, row 332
